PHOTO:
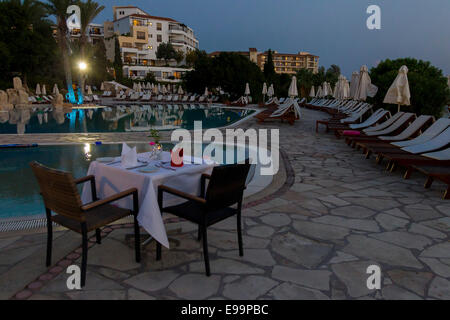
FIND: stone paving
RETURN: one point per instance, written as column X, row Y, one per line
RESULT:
column 341, row 214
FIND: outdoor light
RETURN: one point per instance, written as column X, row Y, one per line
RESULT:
column 82, row 65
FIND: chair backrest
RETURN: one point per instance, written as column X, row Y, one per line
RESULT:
column 385, row 124
column 226, row 185
column 59, row 191
column 435, row 129
column 440, row 141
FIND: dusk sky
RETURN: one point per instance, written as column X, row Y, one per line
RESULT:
column 335, row 30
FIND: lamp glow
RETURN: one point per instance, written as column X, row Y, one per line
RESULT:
column 82, row 66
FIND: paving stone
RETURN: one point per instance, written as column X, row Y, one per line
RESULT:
column 195, row 286
column 289, row 291
column 414, row 281
column 134, row 294
column 403, row 239
column 342, row 257
column 380, row 251
column 302, row 251
column 228, row 240
column 397, row 213
column 389, row 222
column 4, row 243
column 229, row 279
column 153, row 280
column 101, row 255
column 354, row 276
column 320, row 231
column 302, row 187
column 440, row 250
column 426, row 231
column 437, row 267
column 439, row 288
column 261, row 231
column 260, row 257
column 113, row 274
column 442, row 224
column 444, row 209
column 248, row 288
column 97, row 295
column 420, row 212
column 334, row 200
column 316, row 279
column 276, row 219
column 356, row 212
column 94, row 282
column 393, row 292
column 225, row 266
column 374, row 203
column 356, row 224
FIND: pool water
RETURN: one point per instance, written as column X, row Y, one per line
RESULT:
column 130, row 118
column 19, row 191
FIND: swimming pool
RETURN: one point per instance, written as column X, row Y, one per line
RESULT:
column 19, row 191
column 120, row 118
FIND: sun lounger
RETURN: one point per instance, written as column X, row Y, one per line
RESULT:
column 95, row 97
column 290, row 111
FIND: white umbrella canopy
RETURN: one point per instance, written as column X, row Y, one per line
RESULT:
column 293, row 92
column 270, row 91
column 180, row 90
column 354, row 84
column 55, row 89
column 102, row 87
column 312, row 93
column 38, row 90
column 149, row 86
column 155, row 90
column 325, row 89
column 330, row 89
column 399, row 92
column 365, row 87
column 89, row 90
column 206, row 91
column 134, row 86
column 44, row 90
column 247, row 89
column 341, row 91
column 320, row 92
column 264, row 89
column 163, row 89
column 159, row 87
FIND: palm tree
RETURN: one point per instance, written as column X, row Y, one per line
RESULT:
column 58, row 8
column 89, row 11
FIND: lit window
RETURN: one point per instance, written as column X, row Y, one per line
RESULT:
column 158, row 26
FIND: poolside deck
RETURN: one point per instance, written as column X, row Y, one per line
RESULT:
column 336, row 215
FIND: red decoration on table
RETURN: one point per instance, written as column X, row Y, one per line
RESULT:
column 176, row 158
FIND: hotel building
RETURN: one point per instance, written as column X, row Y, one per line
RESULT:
column 283, row 62
column 139, row 35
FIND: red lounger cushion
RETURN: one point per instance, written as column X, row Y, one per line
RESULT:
column 351, row 133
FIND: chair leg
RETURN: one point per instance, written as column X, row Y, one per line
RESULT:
column 98, row 236
column 158, row 251
column 205, row 250
column 239, row 232
column 429, row 182
column 199, row 234
column 48, row 261
column 137, row 239
column 84, row 253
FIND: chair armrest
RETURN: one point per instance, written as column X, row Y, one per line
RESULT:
column 84, row 179
column 203, row 183
column 118, row 196
column 90, row 178
column 181, row 194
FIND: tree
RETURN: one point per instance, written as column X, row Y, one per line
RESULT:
column 27, row 48
column 428, row 85
column 231, row 71
column 118, row 64
column 191, row 57
column 89, row 10
column 179, row 56
column 332, row 74
column 58, row 8
column 305, row 80
column 320, row 77
column 166, row 52
column 269, row 68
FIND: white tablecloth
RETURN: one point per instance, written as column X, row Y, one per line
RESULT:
column 111, row 179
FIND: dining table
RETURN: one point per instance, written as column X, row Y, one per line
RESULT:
column 113, row 177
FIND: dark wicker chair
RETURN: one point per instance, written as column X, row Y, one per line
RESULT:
column 60, row 194
column 225, row 189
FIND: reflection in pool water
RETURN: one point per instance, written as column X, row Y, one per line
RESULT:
column 19, row 192
column 132, row 118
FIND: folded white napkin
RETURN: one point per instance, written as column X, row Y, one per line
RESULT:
column 129, row 156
